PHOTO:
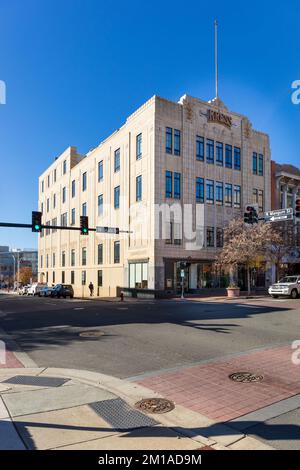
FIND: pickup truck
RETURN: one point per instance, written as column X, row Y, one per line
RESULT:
column 288, row 286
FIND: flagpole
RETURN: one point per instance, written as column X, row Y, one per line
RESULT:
column 216, row 60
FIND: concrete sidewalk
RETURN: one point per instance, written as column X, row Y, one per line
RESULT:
column 85, row 410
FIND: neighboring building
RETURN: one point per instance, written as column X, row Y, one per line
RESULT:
column 7, row 266
column 11, row 260
column 195, row 154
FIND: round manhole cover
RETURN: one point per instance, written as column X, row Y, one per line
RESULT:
column 155, row 405
column 246, row 377
column 91, row 334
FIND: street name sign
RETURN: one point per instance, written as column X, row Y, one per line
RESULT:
column 107, row 230
column 279, row 215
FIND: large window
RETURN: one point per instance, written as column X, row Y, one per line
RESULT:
column 117, row 252
column 63, row 277
column 169, row 189
column 84, row 209
column 72, row 277
column 237, row 196
column 219, row 153
column 209, row 151
column 100, row 253
column 138, row 275
column 169, row 140
column 176, row 142
column 84, row 181
column 199, row 148
column 64, row 219
column 72, row 257
column 219, row 192
column 138, row 186
column 83, row 256
column 100, row 278
column 73, row 217
column 237, row 158
column 63, row 259
column 139, row 146
column 100, row 204
column 199, row 189
column 117, row 197
column 100, row 171
column 254, row 163
column 260, row 164
column 228, row 156
column 117, row 160
column 228, row 194
column 210, row 237
column 177, row 185
column 210, row 197
column 73, row 188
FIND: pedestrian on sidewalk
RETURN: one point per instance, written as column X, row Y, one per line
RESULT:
column 91, row 287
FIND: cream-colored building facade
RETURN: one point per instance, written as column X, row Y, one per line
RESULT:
column 194, row 155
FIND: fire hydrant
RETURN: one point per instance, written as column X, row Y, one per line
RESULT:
column 122, row 296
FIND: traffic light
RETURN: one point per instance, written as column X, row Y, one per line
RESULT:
column 251, row 215
column 36, row 222
column 297, row 208
column 84, row 225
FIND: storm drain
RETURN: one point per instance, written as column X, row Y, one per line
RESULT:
column 120, row 415
column 155, row 405
column 246, row 377
column 38, row 381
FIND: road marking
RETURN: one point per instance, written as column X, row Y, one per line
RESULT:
column 78, row 308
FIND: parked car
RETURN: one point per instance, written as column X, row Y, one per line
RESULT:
column 23, row 290
column 288, row 286
column 45, row 292
column 35, row 288
column 62, row 290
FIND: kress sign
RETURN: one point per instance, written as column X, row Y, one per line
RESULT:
column 216, row 116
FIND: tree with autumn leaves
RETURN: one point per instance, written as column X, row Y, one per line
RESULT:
column 244, row 243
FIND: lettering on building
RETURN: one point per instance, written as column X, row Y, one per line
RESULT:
column 216, row 116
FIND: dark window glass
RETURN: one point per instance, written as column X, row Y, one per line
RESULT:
column 63, row 277
column 169, row 189
column 84, row 182
column 177, row 185
column 199, row 189
column 84, row 209
column 228, row 156
column 117, row 160
column 210, row 197
column 219, row 153
column 72, row 277
column 228, row 194
column 83, row 257
column 100, row 204
column 210, row 151
column 237, row 196
column 260, row 164
column 117, row 252
column 139, row 146
column 199, row 148
column 237, row 158
column 210, row 236
column 73, row 188
column 73, row 217
column 220, row 237
column 117, row 197
column 100, row 278
column 254, row 163
column 100, row 170
column 219, row 192
column 100, row 253
column 176, row 142
column 169, row 140
column 139, row 188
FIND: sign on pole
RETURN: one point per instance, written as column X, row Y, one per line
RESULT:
column 279, row 215
column 107, row 230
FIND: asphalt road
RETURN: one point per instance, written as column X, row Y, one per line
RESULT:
column 143, row 336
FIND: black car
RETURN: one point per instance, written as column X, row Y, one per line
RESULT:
column 62, row 290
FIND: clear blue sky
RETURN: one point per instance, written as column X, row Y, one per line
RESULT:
column 75, row 69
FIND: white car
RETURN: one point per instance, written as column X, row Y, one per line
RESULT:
column 23, row 290
column 288, row 286
column 35, row 288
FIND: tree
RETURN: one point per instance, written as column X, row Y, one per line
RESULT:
column 24, row 275
column 243, row 243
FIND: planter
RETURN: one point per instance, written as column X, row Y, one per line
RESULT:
column 233, row 292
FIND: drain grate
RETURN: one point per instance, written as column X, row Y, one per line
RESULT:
column 155, row 405
column 246, row 377
column 38, row 381
column 91, row 334
column 120, row 415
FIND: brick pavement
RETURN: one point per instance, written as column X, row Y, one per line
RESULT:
column 11, row 361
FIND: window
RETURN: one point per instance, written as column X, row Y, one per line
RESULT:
column 220, row 237
column 199, row 148
column 237, row 196
column 73, row 257
column 65, row 167
column 219, row 153
column 177, row 185
column 84, row 181
column 48, row 205
column 169, row 140
column 42, row 207
column 41, row 261
column 219, row 192
column 237, row 158
column 260, row 200
column 138, row 275
column 100, row 253
column 63, row 277
column 64, row 195
column 100, row 171
column 228, row 194
column 255, row 196
column 73, row 188
column 139, row 146
column 42, row 186
column 47, row 277
column 47, row 261
column 260, row 164
column 100, row 204
column 48, row 229
column 72, row 277
column 199, row 189
column 100, row 278
column 53, row 277
column 54, row 201
column 53, row 260
column 73, row 217
column 117, row 160
column 48, row 181
column 210, row 192
column 54, row 223
column 228, row 156
column 254, row 163
column 64, row 220
column 54, row 176
column 84, row 209
column 138, row 187
column 63, row 259
column 176, row 142
column 117, row 197
column 210, row 237
column 169, row 186
column 83, row 256
column 117, row 252
column 209, row 151
column 83, row 278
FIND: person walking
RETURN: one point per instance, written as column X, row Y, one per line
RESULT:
column 91, row 287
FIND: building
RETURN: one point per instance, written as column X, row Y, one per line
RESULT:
column 12, row 260
column 202, row 160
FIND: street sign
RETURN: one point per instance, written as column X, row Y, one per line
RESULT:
column 107, row 230
column 279, row 215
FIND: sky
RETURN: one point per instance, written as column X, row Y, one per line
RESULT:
column 75, row 69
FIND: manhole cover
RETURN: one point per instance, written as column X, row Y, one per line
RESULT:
column 246, row 377
column 91, row 334
column 155, row 405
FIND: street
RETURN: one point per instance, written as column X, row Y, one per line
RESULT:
column 183, row 349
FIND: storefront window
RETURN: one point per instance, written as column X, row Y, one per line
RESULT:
column 138, row 275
